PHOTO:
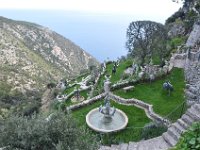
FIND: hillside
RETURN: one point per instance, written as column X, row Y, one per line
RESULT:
column 31, row 56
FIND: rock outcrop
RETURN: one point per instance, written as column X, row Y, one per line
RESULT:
column 194, row 37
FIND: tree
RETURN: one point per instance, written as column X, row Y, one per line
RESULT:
column 59, row 132
column 143, row 38
column 51, row 85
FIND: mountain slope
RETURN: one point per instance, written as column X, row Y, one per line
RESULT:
column 31, row 56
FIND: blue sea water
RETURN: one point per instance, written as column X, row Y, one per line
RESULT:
column 101, row 35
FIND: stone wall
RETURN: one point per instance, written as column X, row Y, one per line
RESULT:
column 86, row 102
column 138, row 103
column 192, row 77
column 194, row 37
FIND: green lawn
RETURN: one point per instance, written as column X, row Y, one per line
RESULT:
column 82, row 93
column 154, row 93
column 114, row 78
column 120, row 70
column 151, row 93
column 137, row 118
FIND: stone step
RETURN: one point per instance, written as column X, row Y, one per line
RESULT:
column 157, row 143
column 105, row 148
column 197, row 107
column 193, row 114
column 160, row 144
column 124, row 146
column 193, row 89
column 182, row 123
column 115, row 147
column 143, row 146
column 187, row 119
column 132, row 146
column 179, row 128
column 190, row 102
column 187, row 86
column 191, row 95
column 168, row 139
column 173, row 133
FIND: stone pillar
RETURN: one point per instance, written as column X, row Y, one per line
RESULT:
column 107, row 86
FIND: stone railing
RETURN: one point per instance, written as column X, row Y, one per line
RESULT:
column 138, row 103
column 123, row 84
column 66, row 97
column 86, row 102
column 158, row 71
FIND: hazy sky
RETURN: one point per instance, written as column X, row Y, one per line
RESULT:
column 97, row 26
column 145, row 7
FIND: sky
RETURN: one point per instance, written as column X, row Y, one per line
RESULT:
column 136, row 7
column 97, row 26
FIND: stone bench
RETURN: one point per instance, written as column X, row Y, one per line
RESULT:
column 128, row 88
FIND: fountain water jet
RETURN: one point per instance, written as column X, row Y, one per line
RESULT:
column 106, row 118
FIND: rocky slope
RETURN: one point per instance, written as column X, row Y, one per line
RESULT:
column 32, row 56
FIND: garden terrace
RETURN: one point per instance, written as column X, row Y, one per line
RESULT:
column 149, row 96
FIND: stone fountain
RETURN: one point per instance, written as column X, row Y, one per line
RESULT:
column 106, row 118
column 77, row 97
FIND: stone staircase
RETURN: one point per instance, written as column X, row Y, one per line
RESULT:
column 168, row 139
column 181, row 125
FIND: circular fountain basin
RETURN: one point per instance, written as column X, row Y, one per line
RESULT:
column 98, row 122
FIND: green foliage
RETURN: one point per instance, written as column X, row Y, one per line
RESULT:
column 31, row 108
column 18, row 103
column 59, row 132
column 51, row 85
column 154, row 94
column 124, row 76
column 197, row 6
column 191, row 17
column 145, row 38
column 190, row 139
column 119, row 70
column 152, row 130
column 176, row 41
column 179, row 14
column 127, row 63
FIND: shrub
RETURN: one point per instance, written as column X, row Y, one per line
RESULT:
column 191, row 17
column 37, row 133
column 128, row 63
column 109, row 62
column 30, row 109
column 152, row 130
column 176, row 15
column 190, row 139
column 177, row 41
column 124, row 76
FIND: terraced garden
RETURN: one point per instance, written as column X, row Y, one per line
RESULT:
column 169, row 106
